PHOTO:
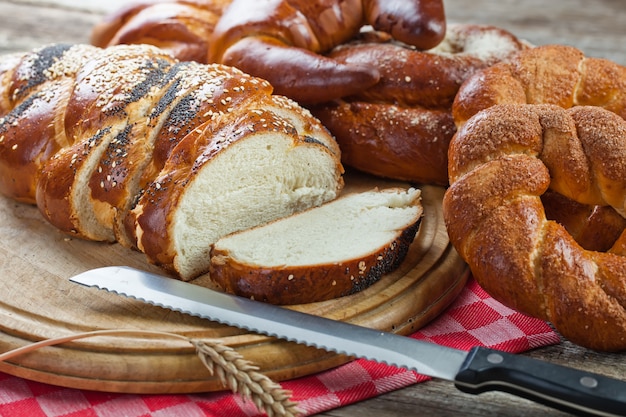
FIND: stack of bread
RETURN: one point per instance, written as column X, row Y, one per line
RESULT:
column 530, row 140
column 384, row 90
column 130, row 144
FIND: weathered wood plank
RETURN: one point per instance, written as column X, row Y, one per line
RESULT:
column 24, row 27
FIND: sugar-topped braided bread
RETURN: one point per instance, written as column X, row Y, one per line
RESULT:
column 547, row 74
column 128, row 144
column 502, row 161
column 563, row 76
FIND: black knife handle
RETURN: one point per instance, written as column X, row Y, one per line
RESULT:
column 563, row 388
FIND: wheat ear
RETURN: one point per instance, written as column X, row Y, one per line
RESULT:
column 243, row 377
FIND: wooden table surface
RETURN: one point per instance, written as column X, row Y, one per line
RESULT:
column 595, row 27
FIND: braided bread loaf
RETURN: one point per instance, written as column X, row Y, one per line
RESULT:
column 400, row 127
column 128, row 144
column 501, row 162
column 563, row 76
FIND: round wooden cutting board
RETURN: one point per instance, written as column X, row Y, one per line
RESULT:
column 38, row 302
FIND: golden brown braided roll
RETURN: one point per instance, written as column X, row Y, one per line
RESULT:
column 501, row 162
column 564, row 76
column 549, row 74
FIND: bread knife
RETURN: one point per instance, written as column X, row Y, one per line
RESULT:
column 479, row 370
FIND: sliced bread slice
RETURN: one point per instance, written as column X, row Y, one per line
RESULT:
column 322, row 253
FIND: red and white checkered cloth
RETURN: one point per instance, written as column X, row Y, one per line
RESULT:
column 474, row 319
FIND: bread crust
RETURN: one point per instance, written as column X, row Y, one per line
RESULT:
column 390, row 141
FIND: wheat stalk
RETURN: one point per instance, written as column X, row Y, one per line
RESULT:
column 235, row 372
column 243, row 377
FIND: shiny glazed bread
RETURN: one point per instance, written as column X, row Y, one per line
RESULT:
column 401, row 127
column 180, row 27
column 128, row 144
column 282, row 41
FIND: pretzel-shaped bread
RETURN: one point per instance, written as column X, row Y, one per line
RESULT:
column 400, row 127
column 180, row 27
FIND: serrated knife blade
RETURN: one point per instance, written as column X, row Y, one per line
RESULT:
column 479, row 370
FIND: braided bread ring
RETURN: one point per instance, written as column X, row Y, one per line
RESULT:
column 501, row 162
column 549, row 74
column 564, row 76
